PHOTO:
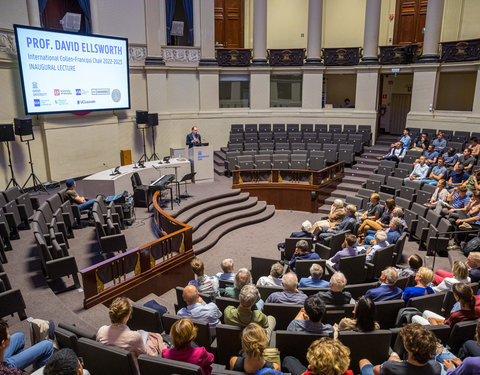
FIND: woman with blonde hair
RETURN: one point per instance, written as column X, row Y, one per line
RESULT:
column 325, row 357
column 118, row 334
column 459, row 275
column 335, row 217
column 423, row 277
column 183, row 332
column 254, row 343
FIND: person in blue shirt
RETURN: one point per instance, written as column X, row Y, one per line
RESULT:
column 457, row 177
column 387, row 290
column 430, row 154
column 302, row 252
column 450, row 157
column 194, row 139
column 423, row 277
column 406, row 140
column 437, row 173
column 440, row 143
column 395, row 230
column 315, row 279
column 347, row 251
column 305, row 232
column 227, row 268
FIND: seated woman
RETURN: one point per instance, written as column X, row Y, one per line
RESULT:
column 374, row 225
column 463, row 294
column 118, row 334
column 363, row 317
column 374, row 209
column 183, row 332
column 335, row 217
column 254, row 342
column 440, row 194
column 423, row 277
column 445, row 280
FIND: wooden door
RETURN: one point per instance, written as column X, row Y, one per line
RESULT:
column 410, row 19
column 229, row 23
column 400, row 108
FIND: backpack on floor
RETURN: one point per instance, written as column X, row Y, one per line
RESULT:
column 472, row 245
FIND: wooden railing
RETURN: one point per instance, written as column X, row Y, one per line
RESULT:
column 234, row 57
column 286, row 57
column 155, row 267
column 401, row 54
column 461, row 50
column 341, row 56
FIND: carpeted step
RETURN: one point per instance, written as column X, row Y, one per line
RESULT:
column 188, row 216
column 365, row 167
column 220, row 153
column 147, row 298
column 196, row 203
column 342, row 194
column 368, row 161
column 357, row 173
column 218, row 161
column 213, row 237
column 348, row 186
column 354, row 180
column 371, row 156
column 203, row 219
column 226, row 218
column 376, row 148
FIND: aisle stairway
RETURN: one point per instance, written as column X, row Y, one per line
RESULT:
column 215, row 216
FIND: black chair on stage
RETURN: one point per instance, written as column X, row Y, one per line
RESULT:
column 141, row 193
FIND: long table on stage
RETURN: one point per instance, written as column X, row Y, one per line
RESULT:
column 290, row 189
column 107, row 184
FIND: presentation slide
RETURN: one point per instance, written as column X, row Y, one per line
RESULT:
column 68, row 72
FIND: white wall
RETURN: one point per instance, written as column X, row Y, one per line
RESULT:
column 13, row 12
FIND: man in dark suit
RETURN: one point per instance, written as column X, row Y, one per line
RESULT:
column 304, row 233
column 194, row 139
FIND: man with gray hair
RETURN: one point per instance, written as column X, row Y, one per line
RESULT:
column 243, row 315
column 379, row 243
column 275, row 277
column 387, row 290
column 336, row 295
column 227, row 268
column 242, row 277
column 305, row 232
column 290, row 295
column 302, row 252
column 315, row 279
column 348, row 223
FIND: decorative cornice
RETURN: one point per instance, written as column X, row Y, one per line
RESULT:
column 137, row 54
column 181, row 55
column 7, row 43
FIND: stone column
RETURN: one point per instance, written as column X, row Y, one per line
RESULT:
column 314, row 44
column 94, row 17
column 156, row 31
column 433, row 28
column 33, row 13
column 207, row 24
column 260, row 32
column 372, row 26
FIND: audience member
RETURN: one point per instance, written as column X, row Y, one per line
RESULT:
column 309, row 318
column 302, row 252
column 348, row 223
column 387, row 290
column 347, row 251
column 63, row 362
column 379, row 242
column 406, row 140
column 243, row 315
column 439, row 143
column 336, row 215
column 305, row 232
column 227, row 268
column 204, row 283
column 421, row 345
column 275, row 277
column 473, row 182
column 457, row 199
column 438, row 172
column 14, row 359
column 457, row 177
column 463, row 294
column 393, row 232
column 379, row 224
column 374, row 209
column 421, row 143
column 197, row 310
column 471, row 348
column 315, row 279
column 254, row 344
column 324, row 356
column 396, row 153
column 414, row 263
column 450, row 157
column 423, row 277
column 430, row 154
column 336, row 296
column 290, row 295
column 242, row 277
column 363, row 317
column 74, row 198
column 467, row 160
column 440, row 194
column 469, row 366
column 473, row 264
column 183, row 332
column 474, row 146
column 419, row 171
column 118, row 334
column 443, row 281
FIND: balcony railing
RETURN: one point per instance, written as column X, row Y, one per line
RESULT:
column 405, row 54
column 341, row 56
column 460, row 50
column 286, row 57
column 234, row 57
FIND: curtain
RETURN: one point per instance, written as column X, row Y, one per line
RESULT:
column 188, row 5
column 41, row 6
column 170, row 12
column 85, row 5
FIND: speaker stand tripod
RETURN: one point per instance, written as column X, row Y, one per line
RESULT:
column 154, row 155
column 37, row 184
column 144, row 157
column 12, row 181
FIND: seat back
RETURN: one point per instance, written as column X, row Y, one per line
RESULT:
column 349, row 129
column 321, row 128
column 223, row 302
column 149, row 365
column 145, row 318
column 335, row 128
column 295, row 343
column 359, row 290
column 104, row 359
column 306, row 128
column 66, row 339
column 460, row 333
column 353, row 268
column 290, row 245
column 204, row 337
column 261, row 267
column 228, row 342
column 292, row 128
column 283, row 313
column 432, row 302
column 386, row 312
column 382, row 259
column 263, row 128
column 302, row 267
column 278, row 128
column 236, row 128
column 265, row 291
column 251, row 128
column 398, row 251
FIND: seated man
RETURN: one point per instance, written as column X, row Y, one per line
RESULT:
column 394, row 231
column 243, row 315
column 396, row 153
column 457, row 200
column 204, row 283
column 406, row 140
column 72, row 196
column 430, row 156
column 242, row 278
column 387, row 290
column 467, row 160
column 305, row 232
column 14, row 359
column 336, row 295
column 196, row 310
column 315, row 279
column 63, row 362
column 473, row 183
column 474, row 146
column 457, row 177
column 439, row 143
column 419, row 171
column 348, row 223
column 347, row 251
column 290, row 295
column 414, row 263
column 450, row 157
column 421, row 143
column 227, row 268
column 309, row 318
column 275, row 277
column 421, row 345
column 379, row 242
column 302, row 252
column 374, row 209
column 438, row 172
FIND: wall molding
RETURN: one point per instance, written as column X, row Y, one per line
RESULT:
column 189, row 55
column 7, row 43
column 137, row 54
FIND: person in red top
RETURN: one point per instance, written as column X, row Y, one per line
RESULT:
column 183, row 332
column 324, row 356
